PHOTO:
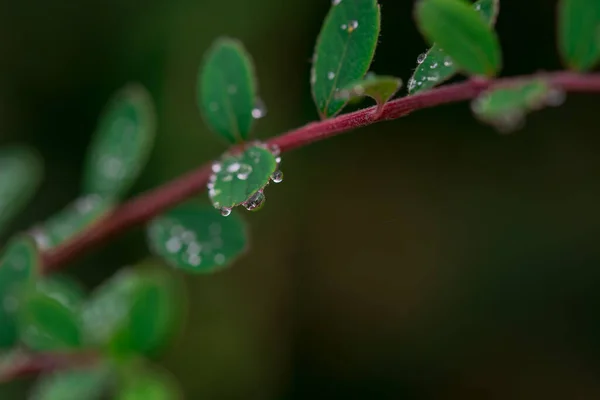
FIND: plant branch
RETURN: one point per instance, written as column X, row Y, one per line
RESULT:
column 148, row 205
column 25, row 364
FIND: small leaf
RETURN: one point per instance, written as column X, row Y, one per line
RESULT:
column 49, row 318
column 134, row 312
column 379, row 88
column 227, row 90
column 20, row 176
column 436, row 66
column 506, row 107
column 121, row 144
column 70, row 221
column 148, row 384
column 579, row 33
column 457, row 28
column 19, row 264
column 197, row 239
column 241, row 178
column 89, row 383
column 344, row 51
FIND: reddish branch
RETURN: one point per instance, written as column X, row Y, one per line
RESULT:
column 32, row 364
column 144, row 207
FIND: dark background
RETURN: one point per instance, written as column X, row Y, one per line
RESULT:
column 424, row 258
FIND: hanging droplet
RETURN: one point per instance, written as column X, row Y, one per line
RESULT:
column 277, row 176
column 259, row 110
column 421, row 58
column 255, row 202
column 330, row 75
column 225, row 211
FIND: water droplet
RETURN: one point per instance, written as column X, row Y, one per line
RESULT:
column 421, row 58
column 335, row 2
column 478, row 7
column 194, row 259
column 173, row 245
column 277, row 176
column 412, row 83
column 433, row 78
column 225, row 211
column 227, row 178
column 216, row 168
column 235, row 167
column 194, row 248
column 278, row 160
column 232, row 89
column 255, row 202
column 352, row 26
column 214, row 106
column 434, row 65
column 447, row 62
column 259, row 110
column 219, row 258
column 188, row 237
column 275, row 150
column 344, row 27
column 244, row 172
column 330, row 75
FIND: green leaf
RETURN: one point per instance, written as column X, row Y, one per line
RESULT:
column 197, row 239
column 379, row 88
column 121, row 144
column 241, row 178
column 19, row 264
column 436, row 66
column 50, row 315
column 20, row 176
column 506, row 107
column 148, row 384
column 227, row 90
column 70, row 221
column 459, row 29
column 134, row 312
column 89, row 383
column 344, row 51
column 579, row 33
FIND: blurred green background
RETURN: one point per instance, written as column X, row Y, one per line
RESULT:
column 425, row 258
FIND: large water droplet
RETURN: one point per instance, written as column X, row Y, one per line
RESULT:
column 255, row 202
column 259, row 110
column 421, row 58
column 277, row 176
column 225, row 211
column 244, row 172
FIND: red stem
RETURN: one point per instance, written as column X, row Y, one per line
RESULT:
column 32, row 364
column 144, row 207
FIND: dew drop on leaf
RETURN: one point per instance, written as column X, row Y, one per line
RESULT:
column 421, row 58
column 260, row 110
column 225, row 211
column 277, row 177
